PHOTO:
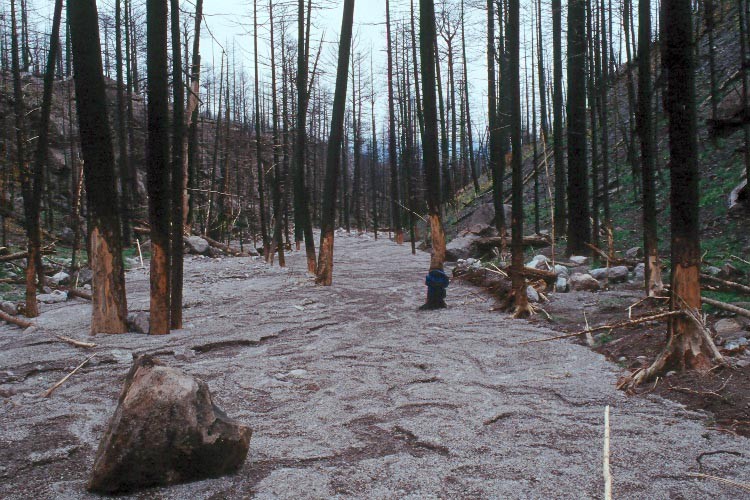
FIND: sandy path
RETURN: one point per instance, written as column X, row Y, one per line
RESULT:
column 352, row 393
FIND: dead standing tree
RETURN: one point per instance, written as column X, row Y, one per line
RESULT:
column 430, row 155
column 178, row 180
column 392, row 150
column 333, row 159
column 258, row 142
column 157, row 160
column 520, row 299
column 653, row 281
column 303, row 224
column 689, row 345
column 109, row 304
column 27, row 179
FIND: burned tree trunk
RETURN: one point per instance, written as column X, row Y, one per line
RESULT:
column 495, row 154
column 521, row 301
column 579, row 225
column 258, row 148
column 157, row 162
column 333, row 159
column 301, row 197
column 27, row 179
column 392, row 150
column 109, row 305
column 178, row 179
column 688, row 346
column 123, row 158
column 430, row 156
column 190, row 148
column 653, row 281
column 278, row 188
column 557, row 121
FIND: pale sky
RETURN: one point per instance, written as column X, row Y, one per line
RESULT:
column 228, row 23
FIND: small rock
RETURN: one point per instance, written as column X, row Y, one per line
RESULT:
column 562, row 271
column 539, row 262
column 579, row 260
column 165, row 430
column 671, row 374
column 55, row 297
column 60, row 278
column 712, row 270
column 197, row 245
column 297, row 373
column 561, row 285
column 121, row 355
column 622, row 359
column 736, row 345
column 640, row 271
column 532, row 294
column 634, row 253
column 138, row 322
column 9, row 307
column 580, row 281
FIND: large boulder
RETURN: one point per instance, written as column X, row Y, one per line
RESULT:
column 617, row 274
column 165, row 430
column 581, row 281
column 67, row 236
column 53, row 297
column 460, row 248
column 634, row 253
column 61, row 278
column 483, row 215
column 139, row 322
column 729, row 329
column 197, row 245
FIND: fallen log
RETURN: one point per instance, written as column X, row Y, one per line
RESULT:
column 621, row 324
column 12, row 281
column 737, row 287
column 726, row 307
column 225, row 248
column 536, row 241
column 15, row 320
column 75, row 292
column 22, row 255
column 535, row 274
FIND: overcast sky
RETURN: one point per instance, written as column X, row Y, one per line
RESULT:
column 228, row 24
column 231, row 21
